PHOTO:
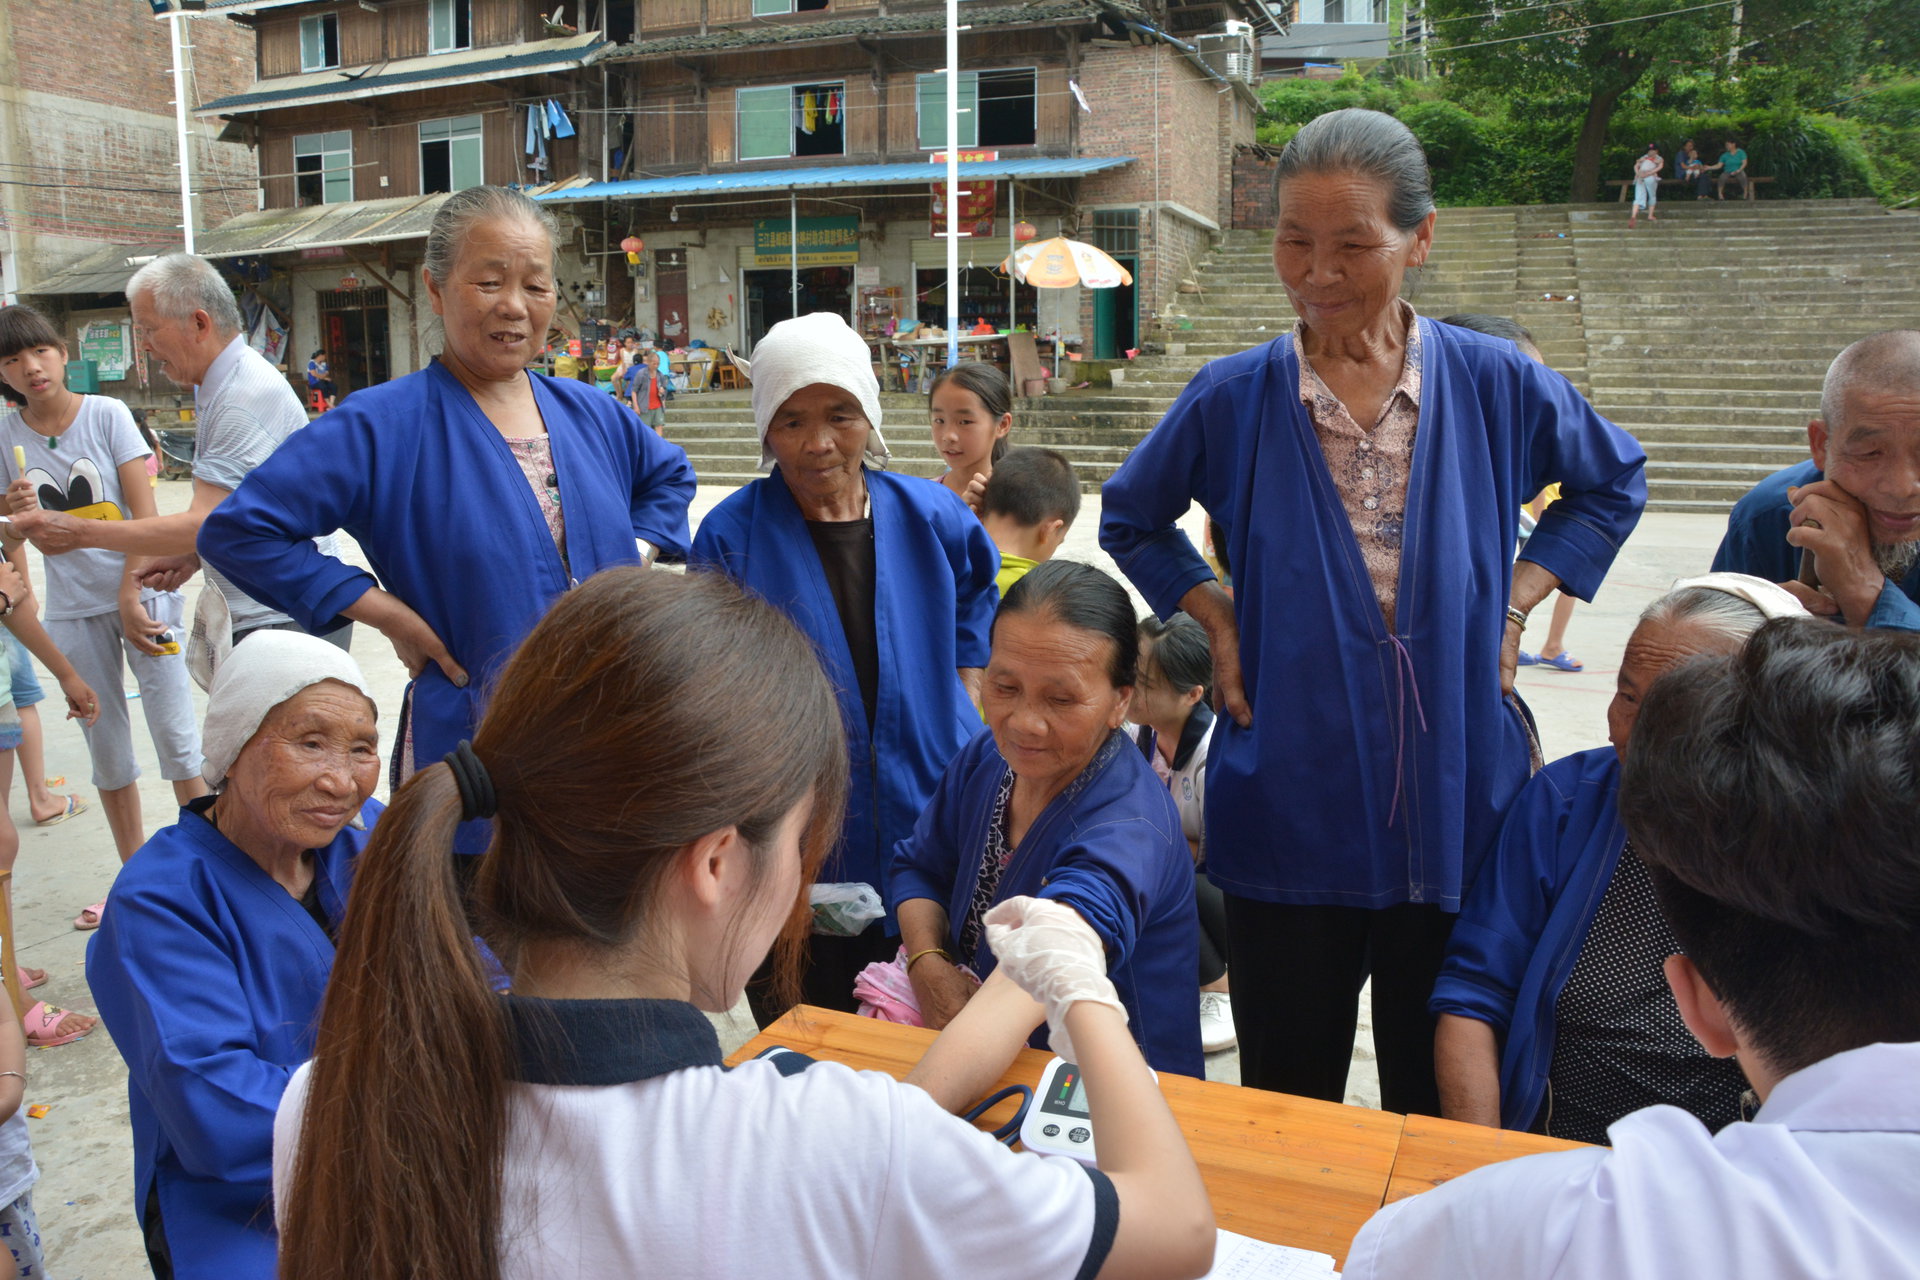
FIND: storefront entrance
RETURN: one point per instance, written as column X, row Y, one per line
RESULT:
column 353, row 331
column 983, row 296
column 769, row 296
column 1116, row 327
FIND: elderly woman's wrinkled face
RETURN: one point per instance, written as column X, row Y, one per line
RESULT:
column 1338, row 254
column 498, row 298
column 312, row 764
column 1651, row 650
column 818, row 435
column 1049, row 698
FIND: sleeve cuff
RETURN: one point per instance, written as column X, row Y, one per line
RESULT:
column 1106, row 1224
column 1893, row 611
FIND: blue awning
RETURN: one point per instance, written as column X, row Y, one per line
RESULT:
column 852, row 175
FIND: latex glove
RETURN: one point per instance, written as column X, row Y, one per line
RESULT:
column 1054, row 956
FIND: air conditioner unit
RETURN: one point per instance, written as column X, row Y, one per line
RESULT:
column 1231, row 53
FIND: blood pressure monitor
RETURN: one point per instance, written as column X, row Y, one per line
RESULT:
column 1058, row 1122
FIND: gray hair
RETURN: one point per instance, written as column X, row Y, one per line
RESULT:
column 1884, row 361
column 183, row 283
column 1372, row 143
column 462, row 211
column 1720, row 614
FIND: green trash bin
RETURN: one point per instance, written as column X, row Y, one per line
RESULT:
column 84, row 376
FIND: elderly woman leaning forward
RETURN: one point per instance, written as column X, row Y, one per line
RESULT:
column 480, row 491
column 1368, row 469
column 892, row 579
column 210, row 967
column 1553, row 1005
column 1052, row 800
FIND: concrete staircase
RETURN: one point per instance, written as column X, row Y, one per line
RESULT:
column 1706, row 335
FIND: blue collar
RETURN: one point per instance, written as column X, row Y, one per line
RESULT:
column 605, row 1042
column 1199, row 720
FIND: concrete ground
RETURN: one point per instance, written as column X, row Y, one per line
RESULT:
column 84, row 1197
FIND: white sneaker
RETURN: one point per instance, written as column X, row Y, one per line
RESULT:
column 1216, row 1021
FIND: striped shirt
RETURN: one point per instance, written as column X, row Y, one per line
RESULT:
column 245, row 409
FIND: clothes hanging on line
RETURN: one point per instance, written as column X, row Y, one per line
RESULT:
column 808, row 112
column 833, row 107
column 557, row 117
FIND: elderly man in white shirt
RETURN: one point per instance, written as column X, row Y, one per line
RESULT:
column 1771, row 793
column 189, row 323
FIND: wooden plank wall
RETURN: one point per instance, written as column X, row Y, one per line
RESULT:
column 396, row 30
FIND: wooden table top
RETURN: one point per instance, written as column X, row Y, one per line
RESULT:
column 1433, row 1150
column 1288, row 1170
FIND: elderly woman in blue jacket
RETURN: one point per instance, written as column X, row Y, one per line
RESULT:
column 1368, row 469
column 210, row 966
column 1051, row 801
column 479, row 490
column 1553, row 1006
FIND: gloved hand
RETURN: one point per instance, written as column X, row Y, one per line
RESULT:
column 1054, row 956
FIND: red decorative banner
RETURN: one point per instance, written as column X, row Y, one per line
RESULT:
column 976, row 207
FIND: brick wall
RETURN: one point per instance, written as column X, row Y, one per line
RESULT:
column 89, row 123
column 1254, row 205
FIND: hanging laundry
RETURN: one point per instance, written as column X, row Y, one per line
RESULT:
column 533, row 131
column 562, row 127
column 809, row 113
column 1079, row 97
column 833, row 107
column 537, row 126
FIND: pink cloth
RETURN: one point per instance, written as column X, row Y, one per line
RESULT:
column 885, row 992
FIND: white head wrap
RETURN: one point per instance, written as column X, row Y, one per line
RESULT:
column 806, row 351
column 1770, row 598
column 265, row 670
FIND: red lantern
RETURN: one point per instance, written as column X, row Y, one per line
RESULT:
column 633, row 245
column 1024, row 231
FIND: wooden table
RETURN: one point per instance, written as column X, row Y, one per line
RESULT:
column 1432, row 1151
column 1289, row 1170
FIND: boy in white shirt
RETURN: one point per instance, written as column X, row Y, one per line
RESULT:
column 1772, row 795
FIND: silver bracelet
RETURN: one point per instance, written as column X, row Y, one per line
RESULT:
column 1516, row 617
column 21, row 1074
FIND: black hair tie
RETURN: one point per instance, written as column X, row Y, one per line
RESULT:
column 477, row 799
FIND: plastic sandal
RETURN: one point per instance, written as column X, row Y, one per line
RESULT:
column 42, row 1022
column 75, row 807
column 1564, row 662
column 26, row 984
column 1528, row 659
column 98, row 910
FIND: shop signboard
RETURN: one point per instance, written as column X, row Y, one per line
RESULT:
column 109, row 343
column 977, row 206
column 824, row 242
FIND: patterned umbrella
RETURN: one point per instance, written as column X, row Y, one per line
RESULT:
column 1061, row 263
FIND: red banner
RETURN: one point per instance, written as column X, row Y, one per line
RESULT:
column 977, row 204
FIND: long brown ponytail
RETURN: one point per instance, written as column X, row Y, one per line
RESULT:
column 646, row 710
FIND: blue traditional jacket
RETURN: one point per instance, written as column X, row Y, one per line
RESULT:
column 1111, row 846
column 209, row 975
column 1379, row 763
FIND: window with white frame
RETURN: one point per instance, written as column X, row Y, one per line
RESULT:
column 1342, row 11
column 773, row 8
column 777, row 121
column 449, row 25
column 451, row 158
column 996, row 109
column 322, row 168
column 320, row 42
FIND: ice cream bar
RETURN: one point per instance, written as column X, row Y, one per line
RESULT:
column 20, row 460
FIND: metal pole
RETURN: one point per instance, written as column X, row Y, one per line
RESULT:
column 175, row 19
column 793, row 253
column 1013, row 296
column 953, row 183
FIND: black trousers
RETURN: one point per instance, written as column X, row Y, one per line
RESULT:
column 1213, row 927
column 832, row 965
column 1297, row 974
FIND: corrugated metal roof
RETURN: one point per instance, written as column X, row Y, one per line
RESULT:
column 854, row 175
column 102, row 271
column 467, row 66
column 320, row 226
column 978, row 16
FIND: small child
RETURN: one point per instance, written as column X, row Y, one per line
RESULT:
column 650, row 390
column 1029, row 505
column 19, row 1229
column 320, row 377
column 970, row 408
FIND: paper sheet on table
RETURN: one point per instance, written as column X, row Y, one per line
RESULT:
column 1238, row 1257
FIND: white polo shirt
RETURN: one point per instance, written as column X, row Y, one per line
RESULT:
column 633, row 1152
column 1824, row 1182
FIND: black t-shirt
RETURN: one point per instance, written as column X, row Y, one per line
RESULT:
column 845, row 548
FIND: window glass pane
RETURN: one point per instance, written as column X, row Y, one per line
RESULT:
column 1004, row 109
column 467, row 163
column 449, row 25
column 1336, row 10
column 319, row 42
column 766, row 122
column 766, row 8
column 1311, row 11
column 933, row 110
column 1116, row 230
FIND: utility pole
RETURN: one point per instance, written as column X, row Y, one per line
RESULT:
column 174, row 13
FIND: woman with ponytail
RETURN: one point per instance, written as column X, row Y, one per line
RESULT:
column 663, row 767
